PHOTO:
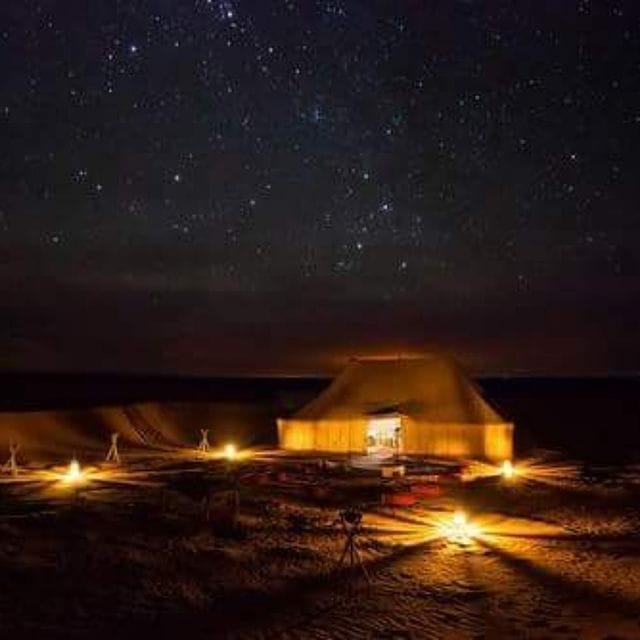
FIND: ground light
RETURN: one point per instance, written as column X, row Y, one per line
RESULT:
column 459, row 529
column 74, row 473
column 507, row 470
column 230, row 452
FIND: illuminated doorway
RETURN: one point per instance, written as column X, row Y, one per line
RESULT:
column 384, row 436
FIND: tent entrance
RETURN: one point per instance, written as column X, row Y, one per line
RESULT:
column 384, row 436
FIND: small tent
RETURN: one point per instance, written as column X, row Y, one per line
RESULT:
column 421, row 405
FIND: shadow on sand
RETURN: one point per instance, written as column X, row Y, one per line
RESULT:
column 578, row 591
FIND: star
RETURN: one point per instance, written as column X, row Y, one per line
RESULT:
column 291, row 149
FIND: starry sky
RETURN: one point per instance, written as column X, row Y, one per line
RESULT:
column 271, row 186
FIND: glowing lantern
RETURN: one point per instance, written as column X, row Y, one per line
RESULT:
column 459, row 519
column 507, row 470
column 460, row 530
column 74, row 472
column 230, row 452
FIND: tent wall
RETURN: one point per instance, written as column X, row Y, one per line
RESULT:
column 446, row 440
column 454, row 440
column 340, row 436
column 498, row 441
column 296, row 435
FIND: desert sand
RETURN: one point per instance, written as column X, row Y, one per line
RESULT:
column 130, row 550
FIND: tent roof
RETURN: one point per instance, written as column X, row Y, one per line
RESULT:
column 430, row 389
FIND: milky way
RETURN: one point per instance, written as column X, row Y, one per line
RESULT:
column 232, row 186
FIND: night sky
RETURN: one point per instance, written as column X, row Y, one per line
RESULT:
column 236, row 186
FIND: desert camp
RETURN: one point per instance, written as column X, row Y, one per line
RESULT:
column 320, row 320
column 189, row 516
column 423, row 405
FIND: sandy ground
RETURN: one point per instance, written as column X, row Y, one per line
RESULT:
column 131, row 553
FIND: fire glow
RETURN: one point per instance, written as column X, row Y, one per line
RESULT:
column 507, row 470
column 230, row 452
column 74, row 473
column 459, row 529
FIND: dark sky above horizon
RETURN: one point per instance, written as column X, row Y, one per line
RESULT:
column 236, row 186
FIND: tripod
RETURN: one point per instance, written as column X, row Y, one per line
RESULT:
column 351, row 520
column 11, row 465
column 204, row 446
column 113, row 455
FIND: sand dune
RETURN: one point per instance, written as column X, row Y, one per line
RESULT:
column 46, row 434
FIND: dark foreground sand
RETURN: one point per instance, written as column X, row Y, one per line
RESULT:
column 132, row 555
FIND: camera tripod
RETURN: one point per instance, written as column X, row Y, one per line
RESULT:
column 351, row 521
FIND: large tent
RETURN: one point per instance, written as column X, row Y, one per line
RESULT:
column 421, row 405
